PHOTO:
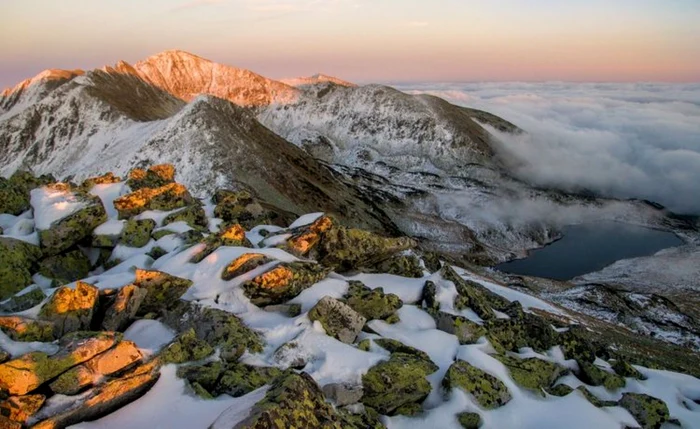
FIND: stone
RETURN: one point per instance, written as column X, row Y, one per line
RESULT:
column 532, row 373
column 186, row 347
column 559, row 390
column 649, row 412
column 397, row 382
column 487, row 390
column 66, row 267
column 74, row 228
column 71, row 310
column 26, row 373
column 431, row 260
column 106, row 179
column 14, row 192
column 193, row 216
column 394, row 346
column 6, row 423
column 162, row 290
column 624, row 369
column 593, row 399
column 342, row 394
column 474, row 296
column 243, row 264
column 18, row 261
column 283, row 282
column 25, row 301
column 293, row 401
column 240, row 379
column 339, row 320
column 123, row 310
column 371, row 303
column 202, row 378
column 364, row 345
column 575, row 346
column 164, row 198
column 21, row 408
column 466, row 331
column 156, row 176
column 290, row 310
column 469, row 420
column 429, row 298
column 360, row 417
column 116, row 359
column 593, row 375
column 24, row 329
column 239, row 207
column 137, row 233
column 233, row 235
column 292, row 355
column 105, row 399
column 400, row 265
column 4, row 355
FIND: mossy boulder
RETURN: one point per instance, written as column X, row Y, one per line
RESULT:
column 243, row 264
column 21, row 408
column 400, row 265
column 137, row 233
column 559, row 390
column 193, row 216
column 474, row 296
column 593, row 399
column 338, row 319
column 487, row 390
column 289, row 310
column 162, row 290
column 397, row 382
column 14, row 192
column 27, row 330
column 595, row 376
column 650, row 412
column 293, row 401
column 624, row 369
column 18, row 260
column 239, row 207
column 66, row 267
column 429, row 298
column 466, row 331
column 576, row 346
column 74, row 228
column 283, row 282
column 160, row 233
column 123, row 309
column 185, row 348
column 165, row 198
column 202, row 377
column 71, row 310
column 532, row 373
column 394, row 346
column 25, row 301
column 26, row 373
column 233, row 235
column 513, row 334
column 240, row 379
column 372, row 303
column 155, row 177
column 431, row 260
column 356, row 417
column 469, row 420
column 305, row 239
column 105, row 179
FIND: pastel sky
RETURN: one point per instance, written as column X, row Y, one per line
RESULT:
column 366, row 40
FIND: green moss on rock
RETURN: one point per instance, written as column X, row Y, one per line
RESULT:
column 466, row 331
column 137, row 233
column 163, row 289
column 624, row 369
column 18, row 260
column 487, row 390
column 469, row 420
column 27, row 330
column 66, row 267
column 14, row 192
column 193, row 216
column 591, row 374
column 559, row 390
column 372, row 303
column 650, row 412
column 532, row 373
column 284, row 282
column 338, row 319
column 393, row 346
column 25, row 301
column 74, row 228
column 186, row 347
column 400, row 265
column 240, row 379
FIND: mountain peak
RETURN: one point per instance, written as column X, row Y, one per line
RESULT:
column 316, row 79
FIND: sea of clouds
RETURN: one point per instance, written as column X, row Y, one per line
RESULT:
column 637, row 140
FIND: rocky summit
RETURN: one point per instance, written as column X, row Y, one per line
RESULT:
column 202, row 312
column 189, row 244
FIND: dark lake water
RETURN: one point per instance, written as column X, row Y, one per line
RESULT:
column 590, row 247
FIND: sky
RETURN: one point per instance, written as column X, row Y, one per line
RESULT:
column 366, row 40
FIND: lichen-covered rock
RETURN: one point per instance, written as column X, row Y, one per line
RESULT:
column 393, row 346
column 243, row 264
column 193, row 216
column 649, row 412
column 65, row 268
column 624, row 369
column 104, row 399
column 114, row 360
column 429, row 298
column 532, row 373
column 202, row 377
column 14, row 192
column 290, row 310
column 575, row 346
column 364, row 345
column 397, row 382
column 474, row 296
column 342, row 394
column 217, row 327
column 233, row 235
column 515, row 333
column 72, row 229
column 26, row 373
column 431, row 260
column 155, row 177
column 21, row 408
column 339, row 320
column 106, row 179
column 240, row 207
column 400, row 265
column 71, row 310
column 559, row 390
column 186, row 347
column 137, row 233
column 123, row 310
column 283, row 282
column 487, row 390
column 165, row 198
column 18, row 261
column 469, row 420
column 372, row 303
column 466, row 331
column 240, row 379
column 25, row 301
column 357, row 416
column 593, row 399
column 27, row 330
column 162, row 290
column 293, row 401
column 591, row 374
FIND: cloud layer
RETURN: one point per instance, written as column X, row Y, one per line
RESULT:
column 623, row 140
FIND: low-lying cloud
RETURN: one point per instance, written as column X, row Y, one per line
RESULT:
column 621, row 140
